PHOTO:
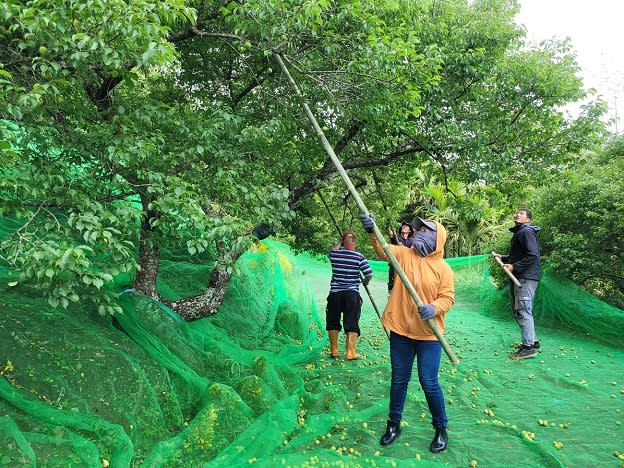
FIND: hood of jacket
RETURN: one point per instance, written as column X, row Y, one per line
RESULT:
column 441, row 234
column 518, row 227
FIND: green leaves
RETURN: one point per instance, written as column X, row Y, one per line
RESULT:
column 82, row 42
column 579, row 214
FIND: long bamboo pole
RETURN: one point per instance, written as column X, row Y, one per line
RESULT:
column 345, row 177
column 509, row 273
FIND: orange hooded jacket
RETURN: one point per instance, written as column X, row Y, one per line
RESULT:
column 432, row 279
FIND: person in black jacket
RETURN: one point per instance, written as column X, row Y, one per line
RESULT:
column 523, row 261
column 405, row 237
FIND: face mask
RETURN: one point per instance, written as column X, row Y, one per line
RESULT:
column 425, row 242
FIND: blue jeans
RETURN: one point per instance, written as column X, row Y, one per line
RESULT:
column 403, row 350
column 522, row 303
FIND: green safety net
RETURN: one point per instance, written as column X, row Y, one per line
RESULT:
column 253, row 385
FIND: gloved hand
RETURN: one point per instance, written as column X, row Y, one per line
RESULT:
column 426, row 311
column 368, row 222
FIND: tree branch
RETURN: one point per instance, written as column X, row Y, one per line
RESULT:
column 328, row 172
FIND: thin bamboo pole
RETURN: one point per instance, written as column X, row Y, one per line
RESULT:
column 345, row 177
column 509, row 273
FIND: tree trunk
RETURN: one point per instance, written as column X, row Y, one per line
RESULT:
column 189, row 308
column 209, row 303
column 149, row 256
column 204, row 305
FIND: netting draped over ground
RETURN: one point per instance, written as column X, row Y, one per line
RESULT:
column 252, row 386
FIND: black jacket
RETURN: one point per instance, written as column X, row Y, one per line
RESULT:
column 398, row 240
column 524, row 253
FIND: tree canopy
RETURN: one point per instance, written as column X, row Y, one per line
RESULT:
column 130, row 128
column 584, row 210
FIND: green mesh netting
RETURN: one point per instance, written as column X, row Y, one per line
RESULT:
column 252, row 386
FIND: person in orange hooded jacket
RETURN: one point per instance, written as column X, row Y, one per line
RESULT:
column 411, row 337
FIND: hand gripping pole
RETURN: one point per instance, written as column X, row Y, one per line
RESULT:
column 509, row 273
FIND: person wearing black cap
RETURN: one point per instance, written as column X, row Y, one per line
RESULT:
column 403, row 237
column 411, row 337
column 344, row 294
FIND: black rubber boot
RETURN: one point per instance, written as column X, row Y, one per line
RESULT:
column 393, row 429
column 440, row 440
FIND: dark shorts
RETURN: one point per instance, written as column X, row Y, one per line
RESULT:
column 348, row 303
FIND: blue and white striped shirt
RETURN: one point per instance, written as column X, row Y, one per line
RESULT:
column 346, row 266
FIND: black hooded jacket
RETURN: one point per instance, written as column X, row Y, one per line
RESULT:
column 524, row 253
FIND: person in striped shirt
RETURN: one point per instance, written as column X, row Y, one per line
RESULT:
column 344, row 299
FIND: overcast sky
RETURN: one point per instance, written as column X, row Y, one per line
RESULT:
column 596, row 29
